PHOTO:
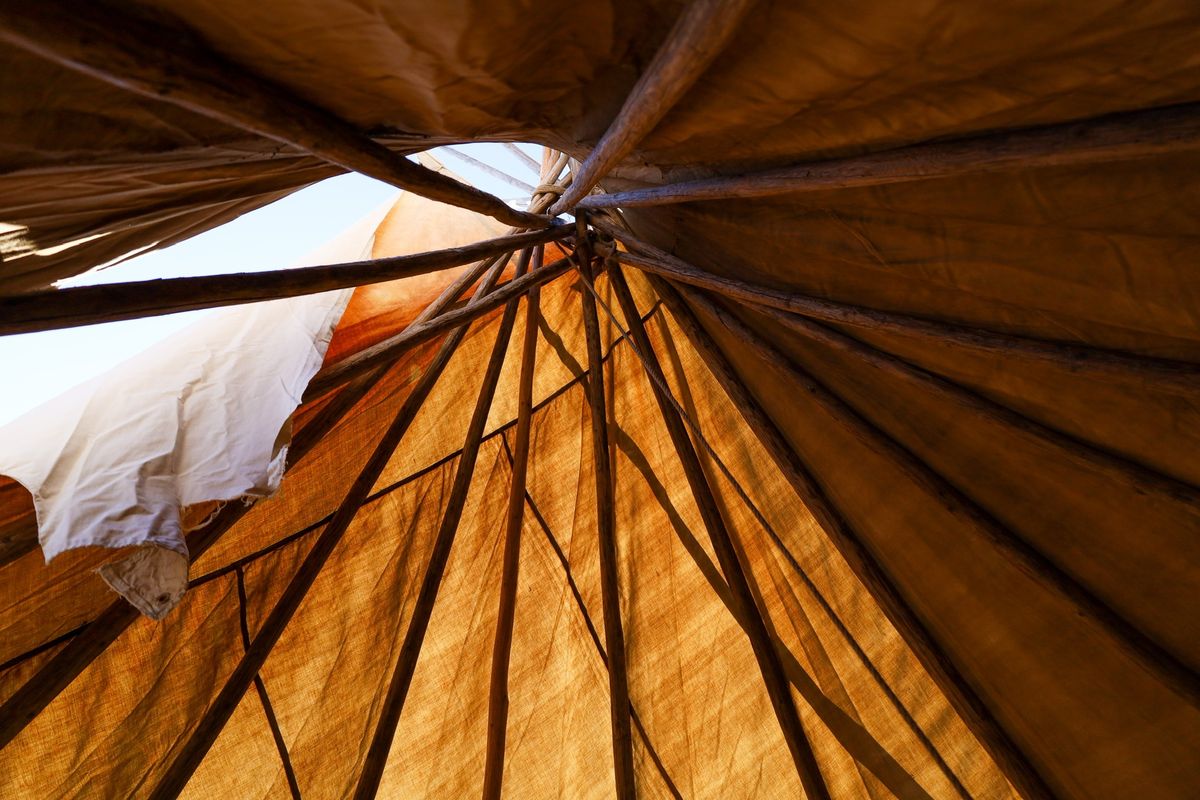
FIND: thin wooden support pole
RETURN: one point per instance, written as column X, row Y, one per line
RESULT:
column 1075, row 358
column 1119, row 137
column 56, row 674
column 197, row 746
column 555, row 169
column 430, row 322
column 1126, row 471
column 460, row 284
column 488, row 169
column 864, row 750
column 392, row 348
column 171, row 64
column 1128, row 638
column 969, row 705
column 581, row 607
column 686, row 407
column 694, row 41
column 261, row 687
column 523, row 157
column 740, row 590
column 614, row 635
column 88, row 305
column 792, row 668
column 418, row 624
column 66, row 665
column 468, row 277
column 493, row 774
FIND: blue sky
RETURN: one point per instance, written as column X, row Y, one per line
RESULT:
column 273, row 237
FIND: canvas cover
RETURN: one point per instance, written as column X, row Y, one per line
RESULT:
column 1102, row 255
column 200, row 417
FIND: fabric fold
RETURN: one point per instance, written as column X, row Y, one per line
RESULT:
column 201, row 416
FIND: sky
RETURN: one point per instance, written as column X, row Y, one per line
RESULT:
column 272, row 237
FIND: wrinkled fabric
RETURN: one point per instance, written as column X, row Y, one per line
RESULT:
column 197, row 417
column 201, row 416
column 1101, row 255
column 153, row 579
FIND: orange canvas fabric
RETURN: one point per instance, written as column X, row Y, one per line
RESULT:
column 1098, row 255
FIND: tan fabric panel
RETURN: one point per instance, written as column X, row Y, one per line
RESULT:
column 684, row 648
column 330, row 670
column 821, row 611
column 334, row 642
column 439, row 426
column 116, row 727
column 796, row 81
column 886, row 730
column 1152, row 425
column 40, row 601
column 1068, row 698
column 699, row 752
column 558, row 680
column 439, row 746
column 17, row 670
column 1100, row 256
column 561, row 485
column 1033, row 488
column 243, row 761
column 1096, row 256
column 807, row 79
column 352, row 605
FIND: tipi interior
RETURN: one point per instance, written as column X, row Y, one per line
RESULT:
column 823, row 425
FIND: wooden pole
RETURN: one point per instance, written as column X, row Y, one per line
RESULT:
column 1119, row 137
column 468, row 277
column 614, row 635
column 395, row 346
column 975, row 713
column 418, row 624
column 451, row 292
column 264, row 697
column 66, row 665
column 695, row 40
column 168, row 63
column 56, row 674
column 722, row 541
column 557, row 166
column 1126, row 471
column 193, row 751
column 457, row 287
column 1071, row 357
column 581, row 607
column 1019, row 553
column 431, row 321
column 88, row 305
column 488, row 169
column 498, row 694
column 523, row 157
column 864, row 750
